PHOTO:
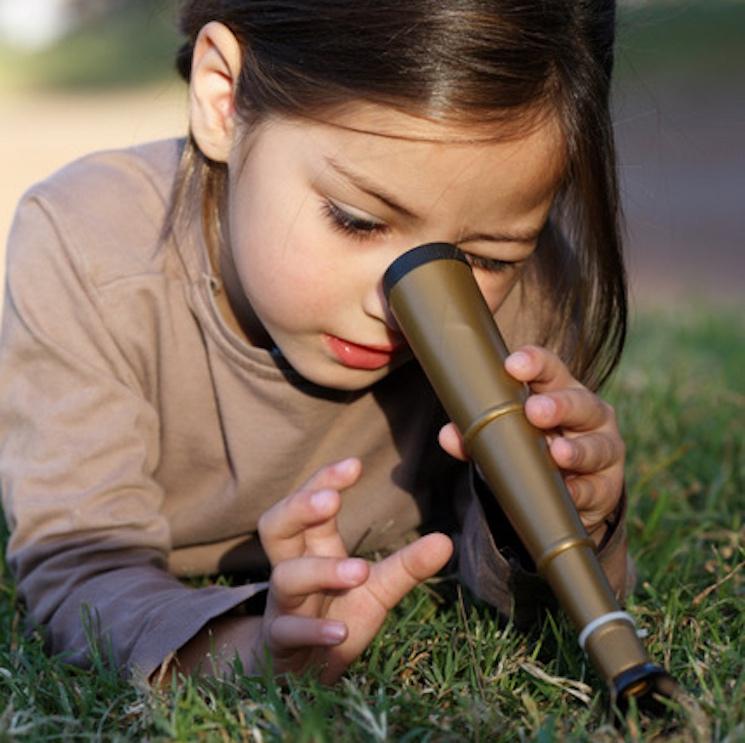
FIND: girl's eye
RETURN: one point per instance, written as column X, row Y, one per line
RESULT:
column 490, row 264
column 363, row 228
column 348, row 223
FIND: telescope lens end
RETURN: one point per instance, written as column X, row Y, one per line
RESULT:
column 644, row 683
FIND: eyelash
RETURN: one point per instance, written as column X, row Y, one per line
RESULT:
column 361, row 229
column 349, row 225
column 489, row 264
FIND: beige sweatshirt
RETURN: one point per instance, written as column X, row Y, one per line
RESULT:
column 141, row 439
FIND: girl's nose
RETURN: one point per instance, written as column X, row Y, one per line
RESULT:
column 375, row 305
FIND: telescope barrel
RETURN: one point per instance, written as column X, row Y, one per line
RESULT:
column 437, row 304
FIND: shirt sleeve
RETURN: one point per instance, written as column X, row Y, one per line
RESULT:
column 496, row 568
column 79, row 446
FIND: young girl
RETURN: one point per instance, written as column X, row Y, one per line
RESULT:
column 198, row 370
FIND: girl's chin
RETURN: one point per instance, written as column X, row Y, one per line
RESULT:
column 338, row 377
column 329, row 373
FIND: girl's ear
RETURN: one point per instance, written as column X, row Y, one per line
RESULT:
column 216, row 66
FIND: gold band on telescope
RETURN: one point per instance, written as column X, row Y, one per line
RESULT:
column 562, row 546
column 489, row 415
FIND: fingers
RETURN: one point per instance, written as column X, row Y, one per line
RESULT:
column 391, row 579
column 541, row 368
column 294, row 580
column 591, row 440
column 337, row 476
column 545, row 372
column 574, row 408
column 593, row 452
column 594, row 496
column 452, row 442
column 284, row 528
column 586, row 442
column 292, row 632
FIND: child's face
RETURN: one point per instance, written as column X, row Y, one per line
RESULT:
column 317, row 212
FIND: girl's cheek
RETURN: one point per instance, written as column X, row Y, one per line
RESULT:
column 494, row 287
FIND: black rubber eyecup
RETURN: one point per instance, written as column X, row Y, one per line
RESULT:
column 416, row 257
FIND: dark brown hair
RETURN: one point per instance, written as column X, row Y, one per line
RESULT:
column 461, row 61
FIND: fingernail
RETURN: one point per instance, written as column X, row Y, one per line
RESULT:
column 351, row 571
column 570, row 451
column 518, row 360
column 322, row 500
column 334, row 633
column 346, row 466
column 545, row 405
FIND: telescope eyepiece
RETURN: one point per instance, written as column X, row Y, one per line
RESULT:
column 416, row 257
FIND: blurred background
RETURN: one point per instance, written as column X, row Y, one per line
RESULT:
column 80, row 75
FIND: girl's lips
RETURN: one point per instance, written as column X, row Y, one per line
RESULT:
column 357, row 356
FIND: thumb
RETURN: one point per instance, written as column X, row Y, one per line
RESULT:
column 452, row 442
column 391, row 579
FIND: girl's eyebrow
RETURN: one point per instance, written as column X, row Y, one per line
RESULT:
column 369, row 188
column 363, row 184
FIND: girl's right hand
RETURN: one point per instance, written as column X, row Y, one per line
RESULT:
column 324, row 608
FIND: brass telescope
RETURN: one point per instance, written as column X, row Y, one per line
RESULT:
column 440, row 310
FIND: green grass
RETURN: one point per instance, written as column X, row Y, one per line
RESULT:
column 443, row 668
column 680, row 40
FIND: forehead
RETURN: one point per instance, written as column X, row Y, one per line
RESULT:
column 519, row 162
column 514, row 166
column 395, row 123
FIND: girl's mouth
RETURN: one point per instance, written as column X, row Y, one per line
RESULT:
column 357, row 356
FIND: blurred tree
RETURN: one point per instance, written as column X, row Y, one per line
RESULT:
column 34, row 24
column 86, row 43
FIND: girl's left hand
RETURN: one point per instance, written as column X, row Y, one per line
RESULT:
column 583, row 435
